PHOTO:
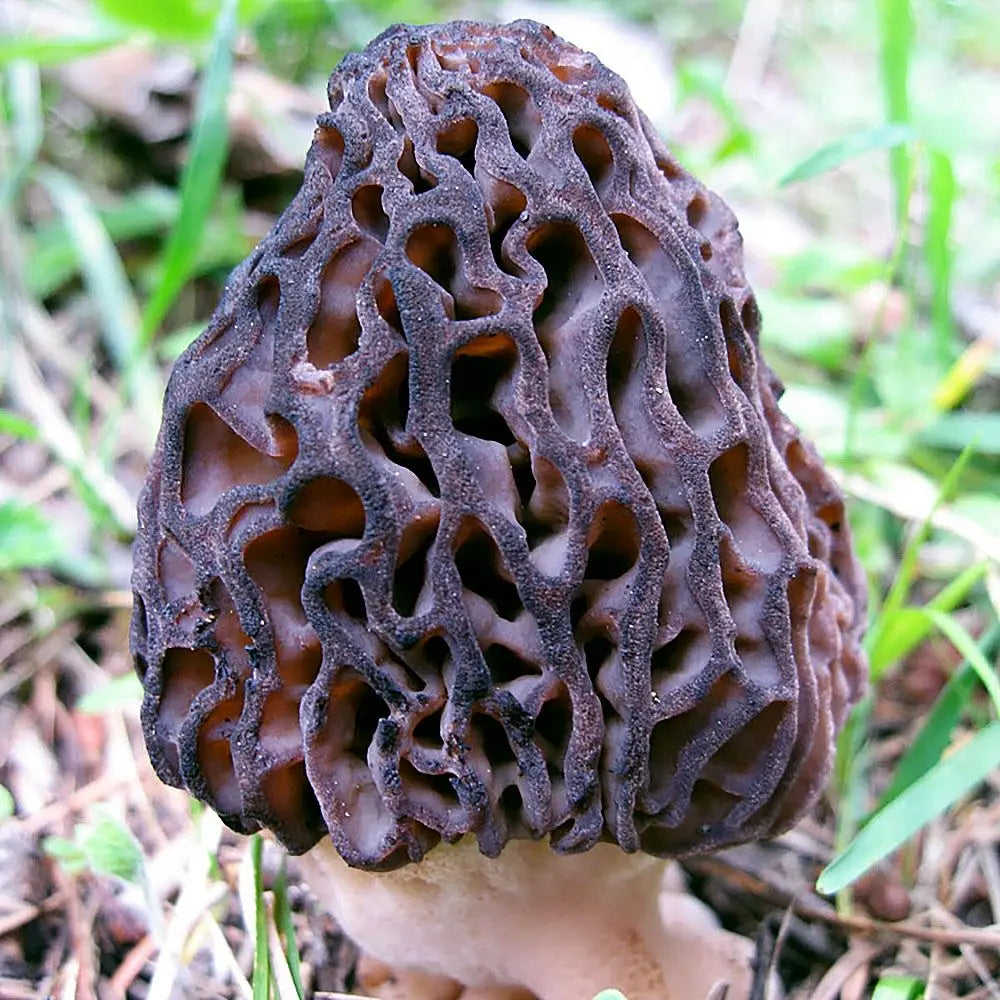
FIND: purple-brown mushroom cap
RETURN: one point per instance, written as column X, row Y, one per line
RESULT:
column 473, row 510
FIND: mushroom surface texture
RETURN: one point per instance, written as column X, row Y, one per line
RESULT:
column 473, row 519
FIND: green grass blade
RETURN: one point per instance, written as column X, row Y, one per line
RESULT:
column 12, row 425
column 79, row 410
column 959, row 637
column 899, row 988
column 935, row 734
column 202, row 173
column 25, row 89
column 261, row 955
column 961, row 377
column 286, row 928
column 850, row 769
column 907, row 570
column 904, row 628
column 888, row 136
column 53, row 260
column 925, row 799
column 102, row 268
column 52, row 51
column 896, row 35
column 24, row 98
column 109, row 287
column 941, row 193
column 107, row 501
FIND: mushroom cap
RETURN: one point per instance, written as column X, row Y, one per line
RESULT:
column 473, row 510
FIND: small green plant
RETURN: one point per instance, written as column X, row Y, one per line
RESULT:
column 103, row 846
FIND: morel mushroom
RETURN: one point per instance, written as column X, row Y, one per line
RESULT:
column 473, row 517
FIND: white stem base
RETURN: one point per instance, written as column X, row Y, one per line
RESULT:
column 563, row 927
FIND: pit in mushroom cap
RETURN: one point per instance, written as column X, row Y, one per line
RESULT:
column 473, row 511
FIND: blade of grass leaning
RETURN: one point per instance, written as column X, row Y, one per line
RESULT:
column 105, row 497
column 52, row 260
column 283, row 985
column 896, row 35
column 959, row 637
column 993, row 588
column 907, row 571
column 926, row 798
column 941, row 191
column 851, row 756
column 286, row 928
column 261, row 954
column 906, row 627
column 889, row 136
column 14, row 426
column 968, row 368
column 24, row 98
column 202, row 173
column 80, row 410
column 25, row 95
column 850, row 772
column 58, row 49
column 109, row 286
column 935, row 734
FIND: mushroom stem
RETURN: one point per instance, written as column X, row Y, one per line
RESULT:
column 562, row 926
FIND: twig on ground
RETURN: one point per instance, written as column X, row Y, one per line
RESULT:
column 224, row 950
column 131, row 966
column 81, row 936
column 49, row 646
column 100, row 788
column 22, row 916
column 11, row 989
column 856, row 957
column 979, row 968
column 772, row 965
column 814, row 909
column 989, row 865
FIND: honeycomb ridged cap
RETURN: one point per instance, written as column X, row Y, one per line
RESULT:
column 473, row 510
